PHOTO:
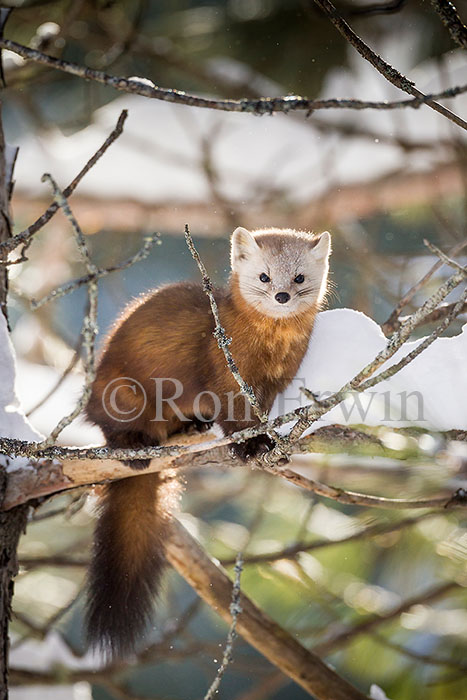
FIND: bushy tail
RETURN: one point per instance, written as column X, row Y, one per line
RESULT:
column 128, row 561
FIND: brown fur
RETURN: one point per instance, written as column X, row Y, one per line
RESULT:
column 169, row 333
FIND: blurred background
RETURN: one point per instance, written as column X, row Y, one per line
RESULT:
column 380, row 181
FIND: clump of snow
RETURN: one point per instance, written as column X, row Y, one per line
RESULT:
column 45, row 654
column 429, row 392
column 376, row 693
column 13, row 422
column 56, row 692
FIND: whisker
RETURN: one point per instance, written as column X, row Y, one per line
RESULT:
column 256, row 290
column 306, row 292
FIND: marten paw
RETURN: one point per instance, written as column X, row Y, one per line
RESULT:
column 201, row 425
column 254, row 447
column 136, row 464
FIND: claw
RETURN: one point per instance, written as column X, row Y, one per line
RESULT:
column 254, row 447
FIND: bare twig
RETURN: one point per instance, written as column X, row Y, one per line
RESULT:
column 440, row 313
column 459, row 499
column 263, row 105
column 69, row 368
column 451, row 20
column 389, row 72
column 68, row 287
column 220, row 335
column 424, row 658
column 369, row 623
column 298, row 547
column 26, row 235
column 89, row 329
column 400, row 336
column 393, row 323
column 235, row 610
column 443, row 257
column 454, row 311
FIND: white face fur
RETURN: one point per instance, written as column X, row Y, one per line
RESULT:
column 281, row 272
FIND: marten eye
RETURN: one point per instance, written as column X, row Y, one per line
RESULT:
column 299, row 279
column 264, row 278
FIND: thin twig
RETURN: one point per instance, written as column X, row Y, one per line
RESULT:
column 418, row 656
column 454, row 311
column 89, row 327
column 280, row 449
column 220, row 335
column 291, row 551
column 235, row 610
column 26, row 235
column 451, row 20
column 69, row 368
column 263, row 105
column 443, row 257
column 389, row 72
column 439, row 313
column 393, row 323
column 369, row 623
column 458, row 500
column 68, row 287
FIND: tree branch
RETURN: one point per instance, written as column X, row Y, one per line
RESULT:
column 181, row 452
column 291, row 551
column 369, row 623
column 263, row 105
column 451, row 20
column 89, row 329
column 393, row 323
column 389, row 72
column 68, row 287
column 26, row 235
column 258, row 629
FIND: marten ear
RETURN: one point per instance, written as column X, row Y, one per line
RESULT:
column 321, row 246
column 242, row 245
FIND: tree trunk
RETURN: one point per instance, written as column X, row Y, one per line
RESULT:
column 12, row 523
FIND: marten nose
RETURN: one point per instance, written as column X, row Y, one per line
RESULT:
column 282, row 297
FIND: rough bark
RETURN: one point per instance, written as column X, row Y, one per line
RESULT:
column 12, row 523
column 4, row 218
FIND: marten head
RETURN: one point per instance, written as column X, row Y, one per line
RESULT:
column 280, row 272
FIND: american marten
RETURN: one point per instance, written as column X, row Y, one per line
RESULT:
column 161, row 371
